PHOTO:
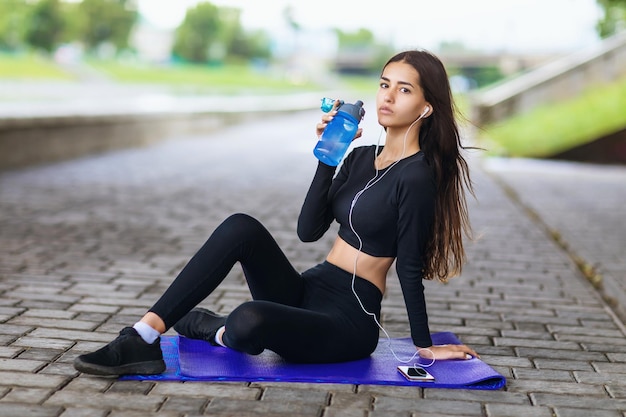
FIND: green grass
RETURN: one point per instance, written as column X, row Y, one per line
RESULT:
column 550, row 129
column 30, row 66
column 221, row 79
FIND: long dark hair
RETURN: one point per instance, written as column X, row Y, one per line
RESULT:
column 440, row 141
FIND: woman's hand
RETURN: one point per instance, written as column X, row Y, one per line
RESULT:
column 327, row 117
column 443, row 352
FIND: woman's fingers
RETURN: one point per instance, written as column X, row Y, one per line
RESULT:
column 442, row 352
column 326, row 118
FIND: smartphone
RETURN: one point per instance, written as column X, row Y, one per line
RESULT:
column 415, row 373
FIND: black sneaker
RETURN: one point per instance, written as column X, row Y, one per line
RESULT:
column 200, row 323
column 127, row 354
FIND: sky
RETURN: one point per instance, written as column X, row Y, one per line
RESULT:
column 529, row 26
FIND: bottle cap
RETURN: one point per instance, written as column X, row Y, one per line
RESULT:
column 355, row 110
column 328, row 103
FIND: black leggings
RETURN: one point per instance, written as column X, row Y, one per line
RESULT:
column 310, row 317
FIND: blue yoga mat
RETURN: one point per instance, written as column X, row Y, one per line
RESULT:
column 196, row 360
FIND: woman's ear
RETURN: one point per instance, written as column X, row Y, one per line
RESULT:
column 428, row 110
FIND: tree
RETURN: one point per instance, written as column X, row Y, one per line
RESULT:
column 107, row 21
column 614, row 19
column 13, row 21
column 197, row 33
column 360, row 53
column 362, row 38
column 250, row 45
column 238, row 43
column 45, row 26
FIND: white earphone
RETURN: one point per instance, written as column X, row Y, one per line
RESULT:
column 426, row 110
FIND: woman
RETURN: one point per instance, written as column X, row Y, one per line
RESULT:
column 404, row 203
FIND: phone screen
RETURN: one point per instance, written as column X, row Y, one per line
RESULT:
column 418, row 372
column 415, row 373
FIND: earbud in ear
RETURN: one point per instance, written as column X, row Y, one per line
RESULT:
column 425, row 112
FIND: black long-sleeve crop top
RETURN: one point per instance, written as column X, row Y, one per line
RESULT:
column 393, row 218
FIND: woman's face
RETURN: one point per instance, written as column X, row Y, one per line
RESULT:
column 400, row 99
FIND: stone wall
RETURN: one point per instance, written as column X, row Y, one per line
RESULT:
column 58, row 134
column 558, row 80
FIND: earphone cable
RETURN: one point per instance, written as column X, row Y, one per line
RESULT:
column 374, row 180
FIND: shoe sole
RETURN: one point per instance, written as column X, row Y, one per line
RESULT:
column 138, row 368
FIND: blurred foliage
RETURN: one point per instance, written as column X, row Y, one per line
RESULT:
column 614, row 19
column 46, row 25
column 194, row 36
column 553, row 128
column 370, row 54
column 14, row 19
column 215, row 34
column 208, row 33
column 106, row 21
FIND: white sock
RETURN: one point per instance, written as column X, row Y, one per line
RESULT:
column 147, row 333
column 218, row 336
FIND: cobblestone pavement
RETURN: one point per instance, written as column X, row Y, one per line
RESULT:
column 87, row 245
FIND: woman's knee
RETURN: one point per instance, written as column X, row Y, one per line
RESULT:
column 241, row 220
column 244, row 328
column 240, row 227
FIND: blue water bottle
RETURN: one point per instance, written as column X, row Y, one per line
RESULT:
column 339, row 133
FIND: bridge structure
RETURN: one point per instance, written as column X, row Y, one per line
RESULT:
column 559, row 79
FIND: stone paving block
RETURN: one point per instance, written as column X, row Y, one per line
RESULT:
column 51, row 314
column 477, row 396
column 52, row 323
column 36, row 342
column 221, row 406
column 544, row 375
column 26, row 395
column 582, row 402
column 81, row 411
column 607, row 349
column 113, row 401
column 72, row 335
column 591, row 331
column 293, row 392
column 21, row 410
column 185, row 406
column 351, row 400
column 571, row 364
column 512, row 410
column 521, row 343
column 556, row 387
column 392, row 406
column 136, row 413
column 616, row 391
column 25, row 379
column 618, row 340
column 14, row 330
column 575, row 412
column 20, row 365
column 88, row 384
column 9, row 351
column 344, row 412
column 233, row 390
column 609, row 368
column 131, row 387
column 567, row 354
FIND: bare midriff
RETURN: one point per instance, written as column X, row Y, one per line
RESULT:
column 372, row 268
